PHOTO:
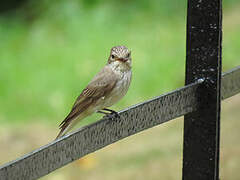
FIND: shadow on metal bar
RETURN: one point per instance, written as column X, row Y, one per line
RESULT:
column 107, row 131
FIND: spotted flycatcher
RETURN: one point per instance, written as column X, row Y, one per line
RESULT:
column 105, row 89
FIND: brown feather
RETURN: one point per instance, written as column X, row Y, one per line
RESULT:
column 101, row 85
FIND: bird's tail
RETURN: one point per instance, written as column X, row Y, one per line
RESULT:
column 67, row 126
column 64, row 130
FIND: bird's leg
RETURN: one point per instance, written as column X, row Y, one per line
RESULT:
column 109, row 113
column 112, row 112
column 103, row 112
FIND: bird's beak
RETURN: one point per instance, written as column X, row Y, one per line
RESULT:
column 122, row 59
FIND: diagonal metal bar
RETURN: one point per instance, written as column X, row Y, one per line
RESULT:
column 231, row 83
column 100, row 134
column 106, row 131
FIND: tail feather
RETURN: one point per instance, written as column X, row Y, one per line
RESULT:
column 64, row 129
column 68, row 124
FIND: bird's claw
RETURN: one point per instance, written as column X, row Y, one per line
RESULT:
column 112, row 113
column 115, row 114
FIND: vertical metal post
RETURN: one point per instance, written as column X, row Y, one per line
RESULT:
column 202, row 128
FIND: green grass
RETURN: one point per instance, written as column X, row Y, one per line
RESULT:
column 45, row 64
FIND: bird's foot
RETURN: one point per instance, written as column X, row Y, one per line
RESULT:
column 110, row 113
column 102, row 112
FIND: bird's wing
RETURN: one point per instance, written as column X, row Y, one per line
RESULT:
column 100, row 86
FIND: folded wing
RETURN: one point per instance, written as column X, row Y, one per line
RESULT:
column 101, row 85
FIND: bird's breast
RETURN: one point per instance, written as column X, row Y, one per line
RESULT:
column 120, row 89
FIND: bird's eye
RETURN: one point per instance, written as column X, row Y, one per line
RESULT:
column 128, row 55
column 113, row 56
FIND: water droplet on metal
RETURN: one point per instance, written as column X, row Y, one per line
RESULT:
column 200, row 80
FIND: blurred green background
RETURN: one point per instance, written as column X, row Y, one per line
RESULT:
column 50, row 50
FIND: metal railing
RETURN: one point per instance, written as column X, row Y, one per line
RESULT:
column 199, row 101
column 204, row 60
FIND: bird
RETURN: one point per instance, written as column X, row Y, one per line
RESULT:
column 105, row 89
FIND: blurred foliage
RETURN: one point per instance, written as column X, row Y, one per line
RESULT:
column 32, row 9
column 50, row 50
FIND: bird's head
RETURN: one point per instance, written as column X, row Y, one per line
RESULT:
column 120, row 55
